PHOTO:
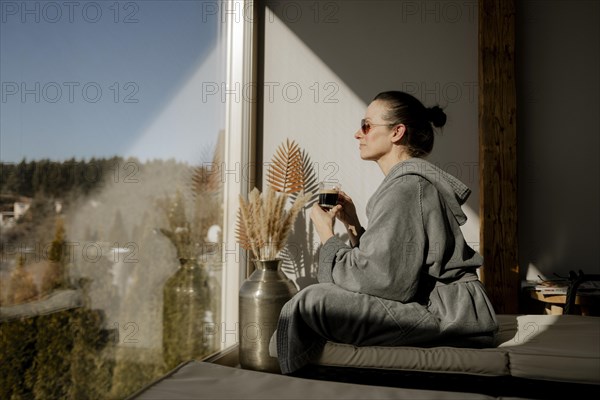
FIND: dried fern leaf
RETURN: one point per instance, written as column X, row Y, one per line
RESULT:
column 285, row 172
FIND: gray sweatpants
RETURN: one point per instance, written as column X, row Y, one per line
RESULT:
column 325, row 311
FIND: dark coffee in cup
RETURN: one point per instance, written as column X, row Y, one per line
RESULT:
column 328, row 198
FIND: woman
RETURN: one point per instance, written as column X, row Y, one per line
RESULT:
column 410, row 277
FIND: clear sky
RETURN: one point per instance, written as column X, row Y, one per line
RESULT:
column 101, row 78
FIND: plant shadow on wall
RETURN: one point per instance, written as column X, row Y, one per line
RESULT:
column 301, row 253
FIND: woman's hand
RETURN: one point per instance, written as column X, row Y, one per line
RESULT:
column 323, row 221
column 347, row 212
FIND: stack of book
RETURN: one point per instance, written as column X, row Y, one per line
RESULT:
column 561, row 286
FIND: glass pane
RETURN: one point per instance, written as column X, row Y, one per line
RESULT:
column 111, row 211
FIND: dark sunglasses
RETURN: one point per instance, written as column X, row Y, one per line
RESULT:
column 365, row 126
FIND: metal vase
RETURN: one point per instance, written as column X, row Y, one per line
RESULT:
column 262, row 296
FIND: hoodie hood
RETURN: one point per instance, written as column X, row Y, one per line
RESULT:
column 454, row 192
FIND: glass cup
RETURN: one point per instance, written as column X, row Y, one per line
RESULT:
column 328, row 194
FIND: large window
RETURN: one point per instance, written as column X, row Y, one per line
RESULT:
column 117, row 120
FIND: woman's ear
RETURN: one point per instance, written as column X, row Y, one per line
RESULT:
column 398, row 133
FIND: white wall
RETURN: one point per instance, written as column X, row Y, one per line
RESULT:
column 558, row 57
column 352, row 50
column 324, row 62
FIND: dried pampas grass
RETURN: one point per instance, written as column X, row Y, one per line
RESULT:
column 264, row 224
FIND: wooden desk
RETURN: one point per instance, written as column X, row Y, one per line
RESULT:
column 554, row 303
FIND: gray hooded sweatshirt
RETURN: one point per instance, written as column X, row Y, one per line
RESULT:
column 410, row 280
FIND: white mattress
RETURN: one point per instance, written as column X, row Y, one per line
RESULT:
column 549, row 347
column 556, row 347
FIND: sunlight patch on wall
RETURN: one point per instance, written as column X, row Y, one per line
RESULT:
column 307, row 101
column 470, row 229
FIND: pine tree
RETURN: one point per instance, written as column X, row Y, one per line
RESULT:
column 55, row 277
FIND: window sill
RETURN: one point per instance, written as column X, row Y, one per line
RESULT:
column 228, row 357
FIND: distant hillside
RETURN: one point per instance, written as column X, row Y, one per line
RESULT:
column 55, row 178
column 93, row 194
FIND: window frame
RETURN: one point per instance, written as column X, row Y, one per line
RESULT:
column 238, row 170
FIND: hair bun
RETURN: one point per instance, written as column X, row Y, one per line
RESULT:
column 436, row 116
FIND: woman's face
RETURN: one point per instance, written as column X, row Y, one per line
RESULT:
column 377, row 141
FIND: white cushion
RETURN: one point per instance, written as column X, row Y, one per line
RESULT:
column 549, row 347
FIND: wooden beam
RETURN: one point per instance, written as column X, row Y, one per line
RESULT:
column 498, row 153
